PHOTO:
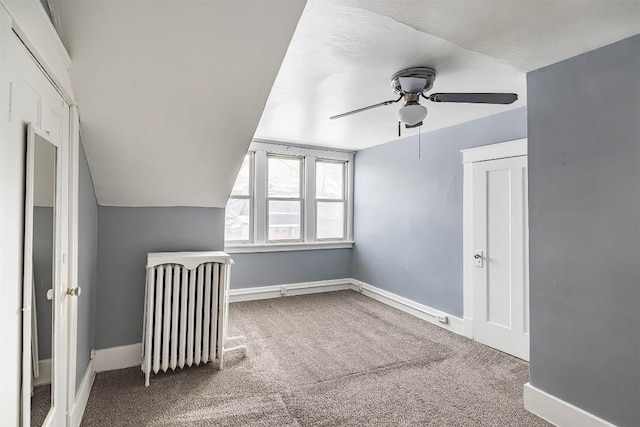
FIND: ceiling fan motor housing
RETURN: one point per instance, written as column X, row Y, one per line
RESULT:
column 425, row 74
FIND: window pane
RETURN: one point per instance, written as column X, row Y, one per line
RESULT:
column 243, row 181
column 330, row 220
column 329, row 180
column 284, row 177
column 284, row 220
column 237, row 221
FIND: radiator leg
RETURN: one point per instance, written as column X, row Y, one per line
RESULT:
column 236, row 349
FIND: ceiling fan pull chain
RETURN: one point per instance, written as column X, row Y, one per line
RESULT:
column 419, row 143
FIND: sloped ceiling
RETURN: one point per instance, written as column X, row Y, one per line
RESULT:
column 344, row 52
column 170, row 92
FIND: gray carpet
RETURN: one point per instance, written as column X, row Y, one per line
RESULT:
column 333, row 359
column 40, row 404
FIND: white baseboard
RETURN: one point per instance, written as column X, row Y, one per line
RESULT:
column 266, row 292
column 557, row 411
column 77, row 411
column 454, row 324
column 44, row 377
column 122, row 357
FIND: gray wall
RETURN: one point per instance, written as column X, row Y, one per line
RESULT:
column 42, row 269
column 584, row 198
column 279, row 268
column 408, row 211
column 125, row 236
column 87, row 267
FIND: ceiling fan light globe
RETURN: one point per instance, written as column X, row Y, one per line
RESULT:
column 412, row 114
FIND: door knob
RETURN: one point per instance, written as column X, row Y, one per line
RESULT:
column 477, row 256
column 74, row 292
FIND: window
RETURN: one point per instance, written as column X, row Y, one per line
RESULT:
column 290, row 198
column 284, row 198
column 330, row 199
column 239, row 212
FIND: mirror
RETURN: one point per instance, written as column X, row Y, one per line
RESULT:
column 40, row 276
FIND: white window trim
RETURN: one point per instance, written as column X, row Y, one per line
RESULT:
column 260, row 241
column 286, row 247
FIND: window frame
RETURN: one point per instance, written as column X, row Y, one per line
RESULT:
column 308, row 240
column 251, row 198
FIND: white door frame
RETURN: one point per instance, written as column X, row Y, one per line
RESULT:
column 470, row 156
column 74, row 409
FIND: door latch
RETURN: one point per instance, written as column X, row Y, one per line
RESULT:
column 73, row 292
column 479, row 259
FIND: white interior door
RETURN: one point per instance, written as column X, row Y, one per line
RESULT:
column 500, row 245
column 34, row 100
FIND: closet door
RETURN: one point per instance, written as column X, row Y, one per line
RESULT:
column 34, row 101
column 500, row 239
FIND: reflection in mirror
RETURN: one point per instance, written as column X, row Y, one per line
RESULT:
column 43, row 278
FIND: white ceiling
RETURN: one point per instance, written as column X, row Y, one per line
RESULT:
column 344, row 52
column 170, row 92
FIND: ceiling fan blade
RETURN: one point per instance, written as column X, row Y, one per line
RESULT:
column 393, row 101
column 474, row 98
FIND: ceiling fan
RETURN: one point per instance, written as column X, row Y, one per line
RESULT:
column 412, row 83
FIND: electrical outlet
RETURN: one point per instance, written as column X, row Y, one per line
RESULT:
column 442, row 318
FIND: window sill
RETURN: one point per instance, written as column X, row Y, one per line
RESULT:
column 285, row 247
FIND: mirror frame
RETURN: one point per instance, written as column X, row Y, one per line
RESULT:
column 32, row 133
